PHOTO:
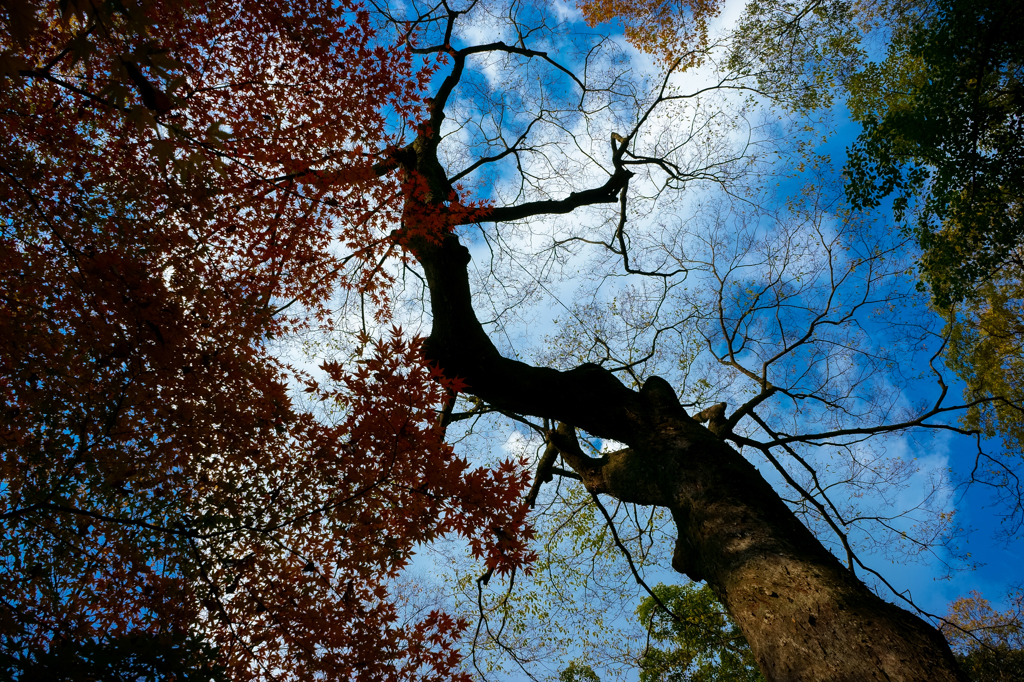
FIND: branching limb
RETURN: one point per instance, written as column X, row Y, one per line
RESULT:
column 629, row 559
column 544, row 473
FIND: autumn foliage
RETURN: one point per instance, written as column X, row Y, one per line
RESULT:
column 181, row 183
column 989, row 645
column 676, row 31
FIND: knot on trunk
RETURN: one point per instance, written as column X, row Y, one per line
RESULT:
column 662, row 399
column 714, row 416
column 684, row 560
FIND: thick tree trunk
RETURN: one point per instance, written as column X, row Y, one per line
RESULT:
column 805, row 616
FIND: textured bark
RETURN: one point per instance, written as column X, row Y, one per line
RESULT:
column 805, row 616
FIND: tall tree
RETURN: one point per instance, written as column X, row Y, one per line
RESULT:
column 159, row 484
column 804, row 614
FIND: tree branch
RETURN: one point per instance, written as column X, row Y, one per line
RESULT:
column 605, row 194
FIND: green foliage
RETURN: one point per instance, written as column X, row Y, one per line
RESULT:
column 576, row 672
column 997, row 664
column 703, row 645
column 986, row 349
column 580, row 596
column 943, row 126
column 943, row 120
column 800, row 51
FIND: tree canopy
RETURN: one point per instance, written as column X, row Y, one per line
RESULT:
column 159, row 481
column 198, row 195
column 942, row 130
column 696, row 642
column 690, row 638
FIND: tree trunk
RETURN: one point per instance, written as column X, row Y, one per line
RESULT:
column 805, row 616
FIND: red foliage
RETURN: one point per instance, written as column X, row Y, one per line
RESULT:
column 180, row 182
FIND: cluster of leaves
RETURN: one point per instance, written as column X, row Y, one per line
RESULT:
column 986, row 349
column 942, row 119
column 182, row 182
column 697, row 639
column 943, row 132
column 989, row 645
column 677, row 30
column 690, row 639
column 799, row 51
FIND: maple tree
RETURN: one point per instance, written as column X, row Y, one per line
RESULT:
column 187, row 182
column 158, row 479
column 677, row 31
